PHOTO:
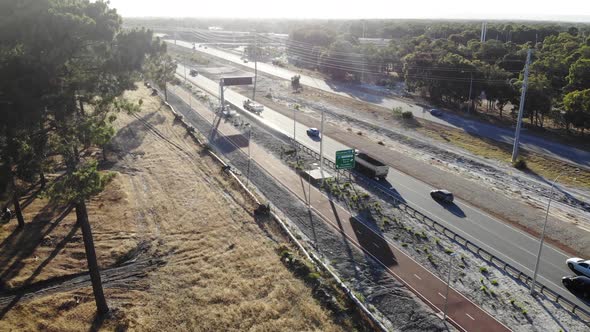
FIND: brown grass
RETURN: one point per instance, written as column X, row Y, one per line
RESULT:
column 221, row 272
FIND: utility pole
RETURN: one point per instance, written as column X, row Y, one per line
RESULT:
column 470, row 88
column 255, row 65
column 521, row 106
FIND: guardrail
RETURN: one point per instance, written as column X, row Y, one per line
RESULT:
column 552, row 295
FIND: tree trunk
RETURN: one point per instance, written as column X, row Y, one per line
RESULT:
column 43, row 179
column 82, row 219
column 17, row 209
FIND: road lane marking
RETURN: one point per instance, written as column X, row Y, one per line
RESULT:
column 444, row 297
column 375, row 244
column 468, row 315
column 415, row 275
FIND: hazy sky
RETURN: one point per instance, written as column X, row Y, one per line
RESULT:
column 577, row 10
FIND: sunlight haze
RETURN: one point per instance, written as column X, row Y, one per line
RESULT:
column 457, row 9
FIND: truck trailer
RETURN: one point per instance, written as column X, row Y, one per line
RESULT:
column 369, row 166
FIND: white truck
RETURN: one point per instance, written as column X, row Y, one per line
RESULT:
column 253, row 107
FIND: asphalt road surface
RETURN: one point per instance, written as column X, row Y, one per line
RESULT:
column 529, row 142
column 504, row 241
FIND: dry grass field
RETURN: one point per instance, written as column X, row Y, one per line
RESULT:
column 178, row 245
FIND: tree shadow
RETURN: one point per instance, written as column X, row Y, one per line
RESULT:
column 131, row 136
column 22, row 244
column 38, row 270
column 354, row 91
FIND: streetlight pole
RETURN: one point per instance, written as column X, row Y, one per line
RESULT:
column 451, row 256
column 543, row 236
column 322, row 148
column 249, row 136
column 255, row 65
column 294, row 124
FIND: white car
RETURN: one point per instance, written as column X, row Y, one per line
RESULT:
column 579, row 266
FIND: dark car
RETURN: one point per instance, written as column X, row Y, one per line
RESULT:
column 442, row 195
column 579, row 285
column 194, row 73
column 313, row 132
column 436, row 112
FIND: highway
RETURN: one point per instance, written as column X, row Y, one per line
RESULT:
column 529, row 142
column 504, row 241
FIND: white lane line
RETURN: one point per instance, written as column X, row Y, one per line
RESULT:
column 444, row 297
column 468, row 315
column 415, row 275
column 376, row 245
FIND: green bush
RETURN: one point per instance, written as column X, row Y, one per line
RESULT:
column 495, row 282
column 483, row 269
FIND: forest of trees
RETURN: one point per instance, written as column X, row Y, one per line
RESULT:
column 444, row 61
column 64, row 65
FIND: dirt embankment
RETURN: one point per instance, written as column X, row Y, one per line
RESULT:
column 176, row 240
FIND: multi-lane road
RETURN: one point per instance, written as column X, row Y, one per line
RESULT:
column 506, row 242
column 529, row 142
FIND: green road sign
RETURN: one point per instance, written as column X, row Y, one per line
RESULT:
column 345, row 159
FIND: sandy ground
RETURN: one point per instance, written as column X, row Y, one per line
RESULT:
column 176, row 240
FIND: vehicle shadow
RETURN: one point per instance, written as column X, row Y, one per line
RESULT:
column 373, row 242
column 227, row 144
column 314, row 138
column 452, row 208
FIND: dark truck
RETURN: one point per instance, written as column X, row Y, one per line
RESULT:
column 369, row 166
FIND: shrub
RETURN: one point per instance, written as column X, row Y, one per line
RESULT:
column 448, row 251
column 397, row 110
column 405, row 245
column 495, row 282
column 407, row 115
column 519, row 164
column 360, row 133
column 483, row 269
column 380, row 143
column 484, row 289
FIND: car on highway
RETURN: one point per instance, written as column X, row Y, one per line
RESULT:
column 245, row 60
column 442, row 195
column 579, row 285
column 579, row 266
column 194, row 73
column 313, row 132
column 436, row 112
